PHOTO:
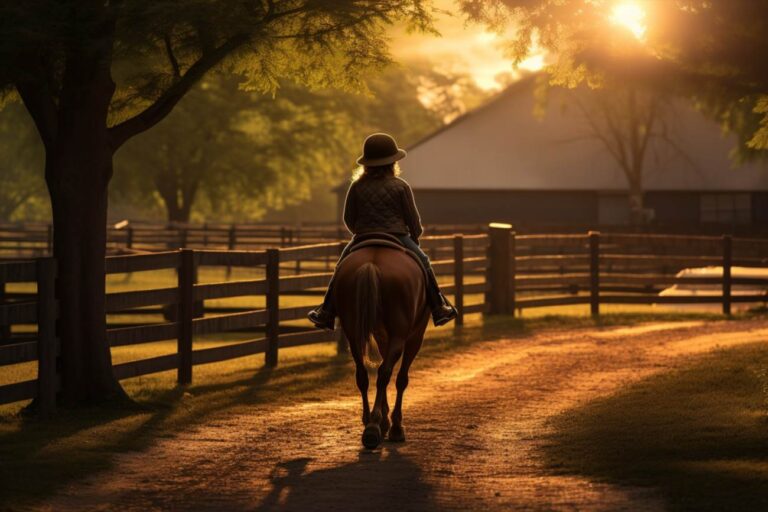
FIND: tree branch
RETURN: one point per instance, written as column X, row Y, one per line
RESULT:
column 41, row 107
column 163, row 105
column 172, row 57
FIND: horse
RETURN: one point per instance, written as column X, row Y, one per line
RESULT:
column 381, row 293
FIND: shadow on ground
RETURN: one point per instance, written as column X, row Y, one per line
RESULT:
column 698, row 435
column 39, row 457
column 392, row 481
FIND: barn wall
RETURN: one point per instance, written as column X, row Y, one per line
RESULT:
column 473, row 207
column 760, row 208
column 564, row 208
column 674, row 207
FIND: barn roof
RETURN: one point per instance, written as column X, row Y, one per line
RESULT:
column 504, row 146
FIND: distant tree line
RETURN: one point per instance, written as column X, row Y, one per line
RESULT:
column 225, row 153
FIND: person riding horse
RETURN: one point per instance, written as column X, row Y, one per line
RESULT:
column 378, row 201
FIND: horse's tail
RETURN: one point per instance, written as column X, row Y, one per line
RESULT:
column 368, row 305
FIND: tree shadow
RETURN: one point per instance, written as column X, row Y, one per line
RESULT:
column 383, row 479
column 41, row 456
column 698, row 435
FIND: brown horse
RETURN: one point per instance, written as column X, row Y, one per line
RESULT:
column 381, row 293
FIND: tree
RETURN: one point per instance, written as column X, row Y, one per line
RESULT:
column 21, row 166
column 627, row 119
column 225, row 150
column 703, row 49
column 95, row 73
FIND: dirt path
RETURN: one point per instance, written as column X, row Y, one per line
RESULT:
column 474, row 424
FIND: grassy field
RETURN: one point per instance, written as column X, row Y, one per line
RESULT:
column 698, row 435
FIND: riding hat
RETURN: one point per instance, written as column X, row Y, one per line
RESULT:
column 380, row 149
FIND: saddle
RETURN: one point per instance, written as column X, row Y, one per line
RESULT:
column 384, row 240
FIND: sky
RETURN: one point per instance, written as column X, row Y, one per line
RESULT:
column 465, row 48
column 470, row 48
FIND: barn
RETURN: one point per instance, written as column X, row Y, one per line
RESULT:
column 512, row 161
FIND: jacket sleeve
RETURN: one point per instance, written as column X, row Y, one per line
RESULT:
column 350, row 209
column 412, row 218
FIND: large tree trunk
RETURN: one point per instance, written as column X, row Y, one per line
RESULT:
column 78, row 187
column 78, row 168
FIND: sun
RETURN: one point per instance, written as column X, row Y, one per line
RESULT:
column 631, row 16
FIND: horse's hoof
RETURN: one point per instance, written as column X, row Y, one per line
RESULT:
column 372, row 436
column 384, row 429
column 397, row 434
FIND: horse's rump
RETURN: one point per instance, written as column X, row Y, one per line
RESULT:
column 379, row 290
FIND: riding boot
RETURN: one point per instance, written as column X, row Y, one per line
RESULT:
column 324, row 315
column 442, row 310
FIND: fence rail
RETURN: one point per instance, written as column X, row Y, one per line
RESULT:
column 508, row 272
column 189, row 321
column 36, row 239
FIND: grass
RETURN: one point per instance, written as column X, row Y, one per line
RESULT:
column 698, row 435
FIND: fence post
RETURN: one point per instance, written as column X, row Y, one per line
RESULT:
column 49, row 239
column 273, row 307
column 183, row 238
column 5, row 330
column 297, row 243
column 47, row 380
column 186, row 306
column 129, row 238
column 727, row 281
column 594, row 273
column 498, row 267
column 512, row 272
column 231, row 243
column 458, row 277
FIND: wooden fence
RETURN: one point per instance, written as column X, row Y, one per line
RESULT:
column 528, row 271
column 508, row 272
column 279, row 279
column 36, row 239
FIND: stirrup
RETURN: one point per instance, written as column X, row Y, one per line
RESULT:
column 444, row 314
column 322, row 318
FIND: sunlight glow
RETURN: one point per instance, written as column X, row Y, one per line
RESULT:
column 631, row 16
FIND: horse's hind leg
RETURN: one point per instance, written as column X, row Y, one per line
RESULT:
column 372, row 435
column 412, row 346
column 361, row 376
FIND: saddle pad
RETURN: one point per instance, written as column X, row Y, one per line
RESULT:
column 374, row 242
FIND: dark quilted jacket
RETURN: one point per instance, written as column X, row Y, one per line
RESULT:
column 382, row 203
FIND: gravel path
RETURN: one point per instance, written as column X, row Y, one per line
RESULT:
column 474, row 425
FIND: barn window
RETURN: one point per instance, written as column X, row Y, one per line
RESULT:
column 726, row 208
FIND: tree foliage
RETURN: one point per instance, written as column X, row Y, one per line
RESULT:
column 227, row 152
column 95, row 73
column 22, row 194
